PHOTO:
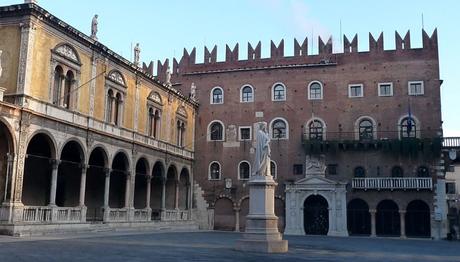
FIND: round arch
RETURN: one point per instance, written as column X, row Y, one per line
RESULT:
column 239, row 170
column 316, row 215
column 387, row 218
column 7, row 152
column 282, row 97
column 357, row 126
column 418, row 126
column 72, row 157
column 208, row 133
column 253, row 93
column 224, row 216
column 271, row 131
column 317, row 96
column 358, row 217
column 418, row 219
column 311, row 120
column 211, row 96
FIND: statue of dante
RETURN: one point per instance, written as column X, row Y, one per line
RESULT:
column 262, row 154
column 168, row 77
column 94, row 27
column 1, row 69
column 137, row 52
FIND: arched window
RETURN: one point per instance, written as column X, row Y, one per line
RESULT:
column 279, row 129
column 315, row 130
column 315, row 91
column 180, row 130
column 217, row 96
column 110, row 104
column 244, row 170
column 359, row 171
column 117, row 109
column 58, row 79
column 279, row 92
column 156, row 124
column 216, row 131
column 68, row 89
column 366, row 130
column 397, row 171
column 247, row 94
column 273, row 169
column 423, row 171
column 408, row 127
column 214, row 171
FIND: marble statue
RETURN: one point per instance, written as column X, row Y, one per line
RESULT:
column 193, row 92
column 168, row 77
column 1, row 69
column 314, row 166
column 262, row 154
column 94, row 27
column 137, row 52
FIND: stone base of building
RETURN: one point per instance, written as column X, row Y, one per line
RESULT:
column 21, row 230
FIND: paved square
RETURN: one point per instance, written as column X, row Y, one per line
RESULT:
column 217, row 246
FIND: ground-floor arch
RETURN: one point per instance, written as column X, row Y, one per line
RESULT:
column 417, row 220
column 140, row 184
column 358, row 217
column 184, row 189
column 171, row 188
column 39, row 165
column 157, row 190
column 118, row 181
column 388, row 221
column 69, row 175
column 224, row 215
column 316, row 215
column 6, row 162
column 95, row 183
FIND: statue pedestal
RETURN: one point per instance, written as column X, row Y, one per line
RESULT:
column 262, row 233
column 2, row 90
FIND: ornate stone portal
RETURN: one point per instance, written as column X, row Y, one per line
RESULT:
column 315, row 204
column 262, row 234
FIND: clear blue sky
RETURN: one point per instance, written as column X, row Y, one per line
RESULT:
column 164, row 28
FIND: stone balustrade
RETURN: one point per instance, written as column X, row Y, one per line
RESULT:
column 392, row 183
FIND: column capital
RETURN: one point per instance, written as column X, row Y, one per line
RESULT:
column 148, row 178
column 402, row 212
column 55, row 163
column 107, row 171
column 372, row 211
column 83, row 167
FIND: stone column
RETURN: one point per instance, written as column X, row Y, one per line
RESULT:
column 402, row 218
column 84, row 168
column 147, row 200
column 373, row 231
column 54, row 174
column 237, row 220
column 163, row 194
column 112, row 111
column 127, row 189
column 106, row 194
column 176, row 196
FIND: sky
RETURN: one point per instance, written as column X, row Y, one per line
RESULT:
column 165, row 28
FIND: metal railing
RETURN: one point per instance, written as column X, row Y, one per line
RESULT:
column 393, row 183
column 369, row 136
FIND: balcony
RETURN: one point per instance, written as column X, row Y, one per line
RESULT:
column 451, row 142
column 387, row 141
column 392, row 183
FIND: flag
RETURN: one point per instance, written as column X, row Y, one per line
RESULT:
column 409, row 121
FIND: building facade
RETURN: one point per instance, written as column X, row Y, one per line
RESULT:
column 86, row 136
column 368, row 123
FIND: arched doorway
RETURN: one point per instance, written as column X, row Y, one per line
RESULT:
column 387, row 219
column 37, row 171
column 95, row 184
column 224, row 216
column 418, row 219
column 171, row 182
column 184, row 189
column 316, row 215
column 358, row 217
column 156, row 190
column 69, row 175
column 280, row 213
column 140, row 184
column 6, row 162
column 120, row 168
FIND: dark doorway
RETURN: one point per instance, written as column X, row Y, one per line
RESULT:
column 120, row 168
column 418, row 219
column 140, row 184
column 156, row 190
column 358, row 217
column 316, row 215
column 387, row 219
column 69, row 175
column 95, row 184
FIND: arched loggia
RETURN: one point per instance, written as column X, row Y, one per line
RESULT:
column 118, row 177
column 140, row 184
column 95, row 182
column 69, row 175
column 6, row 162
column 156, row 192
column 39, row 165
column 171, row 188
column 184, row 189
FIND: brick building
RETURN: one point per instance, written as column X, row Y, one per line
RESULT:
column 371, row 121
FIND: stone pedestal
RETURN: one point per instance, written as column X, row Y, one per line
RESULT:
column 262, row 233
column 2, row 91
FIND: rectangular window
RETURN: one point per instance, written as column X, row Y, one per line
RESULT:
column 332, row 169
column 355, row 90
column 450, row 188
column 416, row 88
column 298, row 169
column 385, row 89
column 245, row 133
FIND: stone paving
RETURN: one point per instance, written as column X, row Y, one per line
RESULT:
column 217, row 246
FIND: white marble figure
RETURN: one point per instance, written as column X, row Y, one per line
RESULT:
column 262, row 154
column 193, row 92
column 1, row 69
column 168, row 77
column 137, row 52
column 314, row 166
column 94, row 27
